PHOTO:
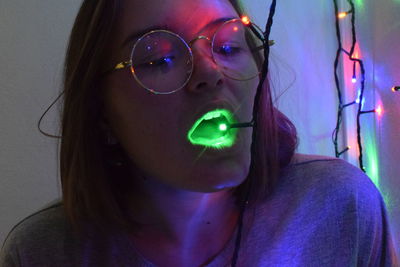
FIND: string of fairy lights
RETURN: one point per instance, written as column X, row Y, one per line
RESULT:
column 360, row 99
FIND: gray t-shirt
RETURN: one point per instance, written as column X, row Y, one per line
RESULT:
column 324, row 212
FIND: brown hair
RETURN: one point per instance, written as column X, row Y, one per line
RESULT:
column 91, row 193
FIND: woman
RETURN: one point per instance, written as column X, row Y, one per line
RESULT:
column 156, row 169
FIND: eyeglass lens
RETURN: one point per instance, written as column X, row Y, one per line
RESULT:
column 162, row 61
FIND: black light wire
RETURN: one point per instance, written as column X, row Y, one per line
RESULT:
column 341, row 107
column 45, row 112
column 264, row 74
column 338, row 90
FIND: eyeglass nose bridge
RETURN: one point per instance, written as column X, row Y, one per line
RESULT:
column 201, row 37
column 209, row 40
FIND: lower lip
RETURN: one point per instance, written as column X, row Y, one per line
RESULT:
column 212, row 153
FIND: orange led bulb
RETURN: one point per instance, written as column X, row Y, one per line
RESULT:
column 246, row 20
column 379, row 110
column 342, row 15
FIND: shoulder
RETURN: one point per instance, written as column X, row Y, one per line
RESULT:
column 345, row 199
column 48, row 219
column 336, row 186
column 322, row 187
column 329, row 175
column 34, row 233
column 323, row 211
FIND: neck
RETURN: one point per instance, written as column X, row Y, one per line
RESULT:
column 180, row 227
column 182, row 217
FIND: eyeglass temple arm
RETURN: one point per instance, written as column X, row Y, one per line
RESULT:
column 119, row 66
column 122, row 65
column 260, row 35
column 270, row 43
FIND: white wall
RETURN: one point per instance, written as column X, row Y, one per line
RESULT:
column 33, row 40
column 33, row 36
column 301, row 63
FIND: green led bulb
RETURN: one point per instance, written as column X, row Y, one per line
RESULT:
column 223, row 127
column 211, row 130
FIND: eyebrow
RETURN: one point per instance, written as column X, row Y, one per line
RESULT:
column 137, row 34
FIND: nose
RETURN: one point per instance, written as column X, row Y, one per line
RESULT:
column 206, row 74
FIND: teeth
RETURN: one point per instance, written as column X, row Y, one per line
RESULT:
column 212, row 115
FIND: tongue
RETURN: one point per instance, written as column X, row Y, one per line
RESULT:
column 209, row 129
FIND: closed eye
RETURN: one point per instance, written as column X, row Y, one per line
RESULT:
column 228, row 50
column 158, row 63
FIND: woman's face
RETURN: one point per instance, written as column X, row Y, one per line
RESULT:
column 152, row 128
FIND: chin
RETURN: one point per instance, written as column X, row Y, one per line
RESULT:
column 218, row 180
column 227, row 173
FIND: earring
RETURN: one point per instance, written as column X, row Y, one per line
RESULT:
column 110, row 138
column 114, row 153
column 112, row 149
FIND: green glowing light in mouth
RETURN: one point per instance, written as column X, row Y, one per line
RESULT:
column 212, row 130
column 223, row 127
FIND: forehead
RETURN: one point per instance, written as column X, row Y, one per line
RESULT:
column 186, row 16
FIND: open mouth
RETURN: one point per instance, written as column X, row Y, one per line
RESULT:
column 213, row 130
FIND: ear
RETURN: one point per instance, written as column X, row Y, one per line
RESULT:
column 103, row 123
column 107, row 131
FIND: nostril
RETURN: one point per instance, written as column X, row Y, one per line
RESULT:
column 202, row 85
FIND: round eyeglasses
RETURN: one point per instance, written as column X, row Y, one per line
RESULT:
column 162, row 62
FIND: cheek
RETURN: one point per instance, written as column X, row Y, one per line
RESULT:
column 129, row 105
column 142, row 122
column 150, row 139
column 147, row 126
column 245, row 93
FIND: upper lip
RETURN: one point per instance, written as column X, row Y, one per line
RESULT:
column 216, row 104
